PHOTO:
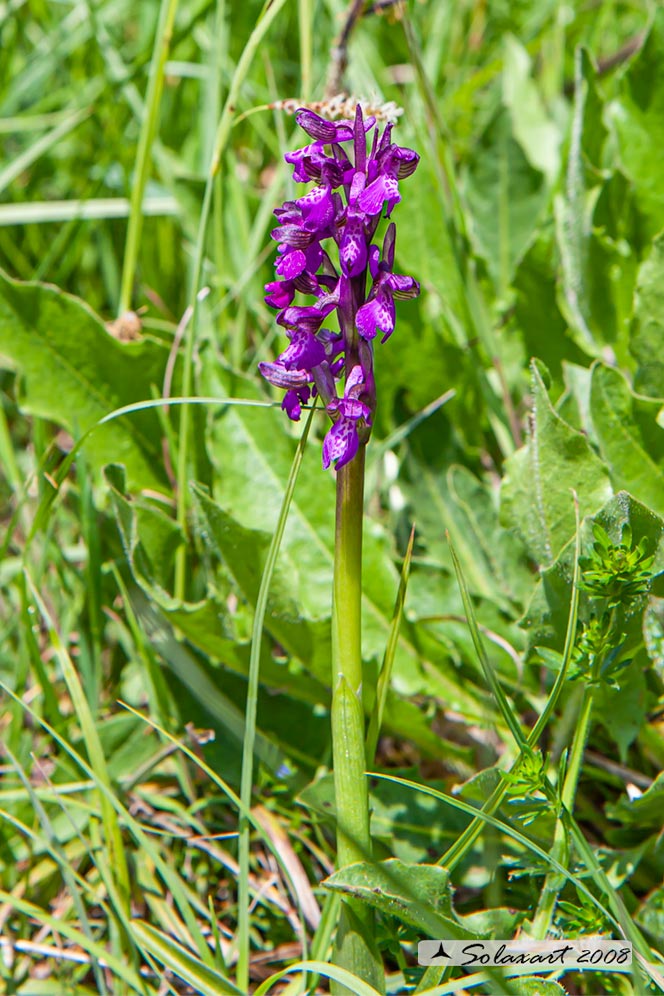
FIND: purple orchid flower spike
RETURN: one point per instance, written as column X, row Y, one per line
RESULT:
column 344, row 207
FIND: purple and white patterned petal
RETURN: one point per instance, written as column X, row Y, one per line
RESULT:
column 279, row 293
column 341, row 443
column 376, row 314
column 304, row 352
column 353, row 246
column 384, row 188
column 291, row 264
column 317, row 208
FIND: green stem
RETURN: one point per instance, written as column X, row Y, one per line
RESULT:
column 355, row 947
column 353, row 838
column 560, row 849
column 146, row 139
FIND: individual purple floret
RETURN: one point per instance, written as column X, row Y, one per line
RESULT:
column 343, row 207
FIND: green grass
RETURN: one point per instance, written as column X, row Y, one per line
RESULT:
column 166, row 804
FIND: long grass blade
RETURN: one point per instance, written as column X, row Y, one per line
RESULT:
column 270, row 11
column 252, row 706
column 148, row 131
column 205, row 980
column 92, row 744
column 508, row 714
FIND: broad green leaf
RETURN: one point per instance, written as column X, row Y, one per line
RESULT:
column 74, row 372
column 540, row 477
column 207, row 625
column 597, row 270
column 538, row 135
column 537, row 314
column 651, row 912
column 408, row 378
column 421, row 223
column 243, row 551
column 630, row 440
column 653, row 633
column 647, row 331
column 622, row 711
column 451, row 499
column 419, row 895
column 644, row 812
column 503, row 555
column 637, row 118
column 505, row 195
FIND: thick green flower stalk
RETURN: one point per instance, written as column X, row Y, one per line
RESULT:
column 356, row 282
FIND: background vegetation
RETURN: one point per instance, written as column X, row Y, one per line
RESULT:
column 132, row 555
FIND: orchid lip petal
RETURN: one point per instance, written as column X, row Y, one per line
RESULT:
column 291, row 264
column 293, row 401
column 341, row 443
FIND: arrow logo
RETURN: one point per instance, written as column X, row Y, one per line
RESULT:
column 441, row 952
